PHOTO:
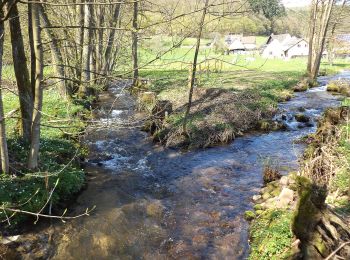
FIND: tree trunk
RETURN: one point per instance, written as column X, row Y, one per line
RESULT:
column 32, row 54
column 38, row 99
column 135, row 43
column 326, row 15
column 99, row 39
column 312, row 29
column 320, row 17
column 108, row 57
column 55, row 52
column 21, row 71
column 192, row 77
column 86, row 54
column 3, row 141
column 80, row 38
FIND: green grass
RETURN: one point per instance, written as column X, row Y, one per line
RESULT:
column 271, row 235
column 271, row 81
column 59, row 156
column 341, row 181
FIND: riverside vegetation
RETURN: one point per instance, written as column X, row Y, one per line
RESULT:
column 61, row 156
column 192, row 95
column 226, row 103
column 307, row 213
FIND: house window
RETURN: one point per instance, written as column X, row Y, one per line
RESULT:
column 299, row 45
column 270, row 53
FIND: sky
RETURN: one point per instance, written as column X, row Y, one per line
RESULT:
column 296, row 3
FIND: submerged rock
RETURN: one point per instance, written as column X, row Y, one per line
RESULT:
column 302, row 118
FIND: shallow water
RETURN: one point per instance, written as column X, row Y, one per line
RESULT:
column 156, row 203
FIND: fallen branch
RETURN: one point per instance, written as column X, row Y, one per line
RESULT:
column 337, row 250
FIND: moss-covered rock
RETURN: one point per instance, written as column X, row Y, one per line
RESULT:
column 264, row 125
column 302, row 86
column 302, row 118
column 333, row 87
column 249, row 215
column 308, row 209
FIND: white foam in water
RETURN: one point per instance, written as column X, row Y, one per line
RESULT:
column 318, row 89
column 100, row 145
column 117, row 162
column 293, row 125
column 142, row 166
column 117, row 113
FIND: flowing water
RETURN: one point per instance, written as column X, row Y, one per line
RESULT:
column 157, row 203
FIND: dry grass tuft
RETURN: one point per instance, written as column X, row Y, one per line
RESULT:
column 270, row 174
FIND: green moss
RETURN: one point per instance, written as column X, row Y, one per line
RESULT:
column 258, row 207
column 271, row 235
column 307, row 213
column 333, row 87
column 249, row 215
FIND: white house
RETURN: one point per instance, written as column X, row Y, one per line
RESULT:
column 285, row 46
column 273, row 50
column 296, row 48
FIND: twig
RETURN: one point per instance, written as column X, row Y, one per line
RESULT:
column 337, row 250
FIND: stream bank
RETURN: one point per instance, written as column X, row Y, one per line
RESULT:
column 158, row 203
column 305, row 215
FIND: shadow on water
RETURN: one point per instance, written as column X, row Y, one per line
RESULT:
column 156, row 203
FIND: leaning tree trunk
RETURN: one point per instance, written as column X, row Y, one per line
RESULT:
column 192, row 77
column 320, row 17
column 38, row 99
column 3, row 141
column 322, row 37
column 21, row 71
column 135, row 44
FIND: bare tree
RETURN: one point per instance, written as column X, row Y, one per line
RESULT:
column 21, row 71
column 55, row 52
column 319, row 23
column 38, row 98
column 86, row 53
column 111, row 38
column 3, row 140
column 192, row 77
column 135, row 42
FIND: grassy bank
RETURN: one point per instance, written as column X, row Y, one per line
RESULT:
column 59, row 157
column 228, row 100
column 313, row 221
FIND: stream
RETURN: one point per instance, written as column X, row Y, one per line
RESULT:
column 157, row 203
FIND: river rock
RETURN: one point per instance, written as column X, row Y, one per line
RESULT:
column 285, row 198
column 9, row 240
column 155, row 209
column 302, row 118
column 345, row 91
column 301, row 86
column 284, row 180
column 256, row 197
